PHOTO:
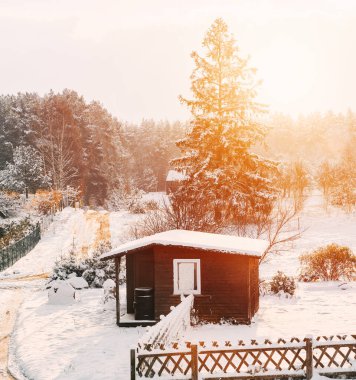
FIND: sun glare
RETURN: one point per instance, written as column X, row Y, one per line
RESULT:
column 289, row 72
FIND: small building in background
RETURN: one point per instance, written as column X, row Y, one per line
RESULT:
column 173, row 180
column 221, row 271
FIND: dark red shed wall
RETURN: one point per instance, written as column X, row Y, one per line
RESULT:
column 225, row 284
column 254, row 285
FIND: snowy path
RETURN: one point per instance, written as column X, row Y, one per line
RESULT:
column 70, row 228
column 79, row 341
column 25, row 280
column 8, row 311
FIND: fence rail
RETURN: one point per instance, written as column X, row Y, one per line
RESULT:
column 283, row 358
column 9, row 255
column 170, row 327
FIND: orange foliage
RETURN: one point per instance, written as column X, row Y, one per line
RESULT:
column 46, row 201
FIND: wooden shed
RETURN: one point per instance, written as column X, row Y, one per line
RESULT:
column 173, row 180
column 222, row 272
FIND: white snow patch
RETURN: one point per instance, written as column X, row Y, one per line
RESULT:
column 78, row 282
column 79, row 341
column 317, row 309
column 109, row 284
column 61, row 293
column 174, row 175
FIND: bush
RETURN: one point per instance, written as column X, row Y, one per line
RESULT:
column 330, row 263
column 92, row 269
column 9, row 201
column 126, row 197
column 282, row 283
column 47, row 201
column 152, row 223
column 12, row 231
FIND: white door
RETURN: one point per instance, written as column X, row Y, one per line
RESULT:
column 186, row 277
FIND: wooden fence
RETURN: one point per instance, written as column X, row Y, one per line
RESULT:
column 294, row 358
column 9, row 255
column 170, row 327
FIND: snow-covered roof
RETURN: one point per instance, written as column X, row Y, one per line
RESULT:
column 174, row 175
column 194, row 239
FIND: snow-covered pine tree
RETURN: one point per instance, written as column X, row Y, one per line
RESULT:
column 27, row 170
column 225, row 180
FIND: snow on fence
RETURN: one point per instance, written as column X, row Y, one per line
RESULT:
column 293, row 358
column 9, row 255
column 170, row 327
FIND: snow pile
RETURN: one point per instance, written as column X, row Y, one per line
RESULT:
column 78, row 282
column 61, row 293
column 109, row 299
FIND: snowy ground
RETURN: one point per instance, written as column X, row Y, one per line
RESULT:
column 317, row 309
column 24, row 282
column 56, row 241
column 321, row 228
column 81, row 341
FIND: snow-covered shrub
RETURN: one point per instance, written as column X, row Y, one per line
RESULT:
column 9, row 201
column 282, row 283
column 77, row 282
column 97, row 271
column 94, row 271
column 25, row 171
column 126, row 197
column 153, row 222
column 264, row 287
column 66, row 266
column 61, row 293
column 109, row 299
column 12, row 231
column 330, row 263
column 137, row 206
column 151, row 205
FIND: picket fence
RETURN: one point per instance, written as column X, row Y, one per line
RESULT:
column 292, row 358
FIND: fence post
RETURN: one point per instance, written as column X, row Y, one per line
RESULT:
column 133, row 364
column 309, row 357
column 194, row 361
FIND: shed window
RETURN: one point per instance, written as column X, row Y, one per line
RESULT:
column 186, row 276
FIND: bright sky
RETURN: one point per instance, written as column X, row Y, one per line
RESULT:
column 134, row 55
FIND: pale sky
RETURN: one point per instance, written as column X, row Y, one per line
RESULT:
column 134, row 55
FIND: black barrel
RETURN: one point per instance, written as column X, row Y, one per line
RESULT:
column 143, row 304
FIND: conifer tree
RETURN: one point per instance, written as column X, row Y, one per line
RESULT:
column 26, row 171
column 225, row 180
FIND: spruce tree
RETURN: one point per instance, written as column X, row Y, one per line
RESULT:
column 225, row 180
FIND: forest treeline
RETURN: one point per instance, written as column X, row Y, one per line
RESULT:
column 80, row 144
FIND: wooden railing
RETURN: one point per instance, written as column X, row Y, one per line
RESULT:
column 170, row 327
column 294, row 358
